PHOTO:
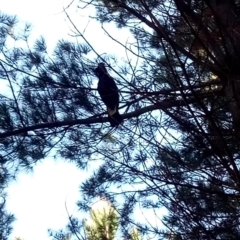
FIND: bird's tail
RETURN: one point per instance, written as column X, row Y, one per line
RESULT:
column 115, row 119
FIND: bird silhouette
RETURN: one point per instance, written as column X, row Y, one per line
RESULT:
column 109, row 94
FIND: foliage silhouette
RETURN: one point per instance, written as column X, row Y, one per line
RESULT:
column 179, row 145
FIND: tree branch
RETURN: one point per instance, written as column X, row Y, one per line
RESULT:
column 161, row 106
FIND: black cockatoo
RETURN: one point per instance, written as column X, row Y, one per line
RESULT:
column 108, row 92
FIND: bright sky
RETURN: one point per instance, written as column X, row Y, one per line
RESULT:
column 38, row 199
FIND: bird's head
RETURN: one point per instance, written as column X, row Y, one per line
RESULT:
column 100, row 70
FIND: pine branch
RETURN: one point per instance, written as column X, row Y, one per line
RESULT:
column 161, row 106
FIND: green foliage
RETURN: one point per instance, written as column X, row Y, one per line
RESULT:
column 103, row 222
column 135, row 235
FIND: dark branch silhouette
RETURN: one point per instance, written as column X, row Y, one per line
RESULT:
column 161, row 106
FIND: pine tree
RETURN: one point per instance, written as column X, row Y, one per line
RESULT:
column 179, row 145
column 103, row 221
column 101, row 224
column 6, row 219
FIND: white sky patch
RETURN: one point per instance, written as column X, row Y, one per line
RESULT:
column 42, row 199
column 49, row 20
column 45, row 16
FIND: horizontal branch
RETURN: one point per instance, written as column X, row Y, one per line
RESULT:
column 163, row 105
